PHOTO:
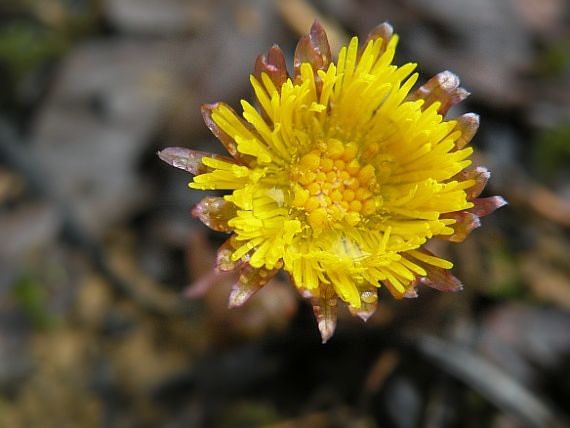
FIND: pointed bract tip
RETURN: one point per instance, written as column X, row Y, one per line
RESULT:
column 240, row 294
column 316, row 26
column 206, row 110
column 215, row 212
column 181, row 158
column 485, row 206
column 325, row 310
column 411, row 293
column 365, row 315
column 443, row 88
column 235, row 300
column 383, row 31
column 501, row 202
column 383, row 27
column 314, row 49
column 365, row 311
column 274, row 65
column 327, row 331
column 368, row 304
column 483, row 172
column 472, row 118
column 208, row 106
column 448, row 79
column 224, row 262
column 168, row 155
column 467, row 124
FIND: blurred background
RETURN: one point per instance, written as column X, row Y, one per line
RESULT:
column 98, row 327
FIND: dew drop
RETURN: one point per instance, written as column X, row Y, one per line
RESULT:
column 369, row 296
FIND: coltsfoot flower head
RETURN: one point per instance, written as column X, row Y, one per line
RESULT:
column 340, row 177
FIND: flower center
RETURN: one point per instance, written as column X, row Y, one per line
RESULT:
column 331, row 184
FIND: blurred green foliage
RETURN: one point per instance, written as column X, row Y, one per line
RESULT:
column 25, row 46
column 552, row 152
column 507, row 282
column 249, row 414
column 35, row 34
column 31, row 297
column 554, row 60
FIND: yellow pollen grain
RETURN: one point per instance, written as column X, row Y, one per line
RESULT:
column 326, row 187
column 352, row 218
column 339, row 164
column 350, row 152
column 337, row 213
column 301, row 196
column 312, row 203
column 310, row 160
column 307, row 177
column 353, row 183
column 321, row 176
column 314, row 188
column 335, row 149
column 348, row 195
column 361, row 193
column 336, row 196
column 353, row 167
column 331, row 176
column 327, row 164
column 344, row 176
column 317, row 217
column 366, row 174
column 355, row 205
column 368, row 207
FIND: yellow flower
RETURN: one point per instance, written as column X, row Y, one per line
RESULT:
column 340, row 176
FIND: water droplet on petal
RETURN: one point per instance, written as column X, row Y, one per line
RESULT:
column 369, row 296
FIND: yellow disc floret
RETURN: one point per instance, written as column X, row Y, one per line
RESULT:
column 332, row 185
